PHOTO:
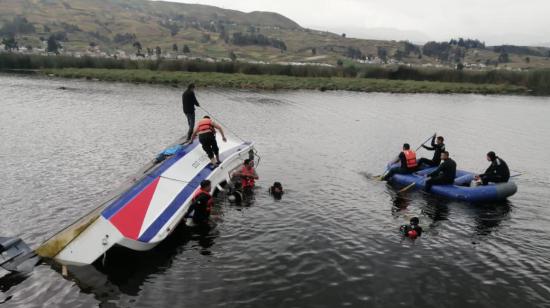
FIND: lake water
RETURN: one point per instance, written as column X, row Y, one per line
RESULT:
column 333, row 240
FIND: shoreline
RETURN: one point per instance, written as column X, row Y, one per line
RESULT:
column 278, row 82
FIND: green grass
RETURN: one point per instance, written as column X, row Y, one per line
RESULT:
column 274, row 82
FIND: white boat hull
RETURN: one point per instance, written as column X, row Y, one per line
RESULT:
column 148, row 211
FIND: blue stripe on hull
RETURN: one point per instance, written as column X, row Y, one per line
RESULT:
column 127, row 196
column 178, row 202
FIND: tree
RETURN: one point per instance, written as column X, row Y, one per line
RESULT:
column 19, row 25
column 383, row 53
column 158, row 51
column 503, row 58
column 527, row 59
column 53, row 44
column 175, row 47
column 459, row 66
column 343, row 35
column 186, row 49
column 10, row 43
column 339, row 63
column 137, row 46
column 313, row 51
column 232, row 56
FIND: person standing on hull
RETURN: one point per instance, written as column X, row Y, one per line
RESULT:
column 497, row 172
column 444, row 174
column 438, row 147
column 206, row 130
column 408, row 163
column 189, row 101
column 201, row 204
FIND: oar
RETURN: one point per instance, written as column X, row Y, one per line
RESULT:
column 425, row 142
column 406, row 188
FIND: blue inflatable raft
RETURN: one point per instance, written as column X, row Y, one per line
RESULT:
column 460, row 189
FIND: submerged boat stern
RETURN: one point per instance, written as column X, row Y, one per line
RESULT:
column 147, row 210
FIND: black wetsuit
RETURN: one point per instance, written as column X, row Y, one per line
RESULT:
column 436, row 160
column 189, row 101
column 497, row 172
column 200, row 208
column 444, row 175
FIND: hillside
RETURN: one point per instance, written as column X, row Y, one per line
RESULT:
column 151, row 28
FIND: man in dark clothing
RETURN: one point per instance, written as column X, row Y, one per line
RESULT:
column 497, row 172
column 189, row 101
column 201, row 205
column 438, row 147
column 444, row 175
column 408, row 163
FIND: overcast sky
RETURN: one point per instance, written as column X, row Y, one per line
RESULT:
column 493, row 21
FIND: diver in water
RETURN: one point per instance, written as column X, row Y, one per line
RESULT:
column 412, row 230
column 248, row 175
column 201, row 205
column 276, row 190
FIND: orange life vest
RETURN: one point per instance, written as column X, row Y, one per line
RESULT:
column 205, row 126
column 247, row 177
column 410, row 158
column 210, row 199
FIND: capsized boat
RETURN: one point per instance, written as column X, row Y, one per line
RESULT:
column 460, row 189
column 148, row 208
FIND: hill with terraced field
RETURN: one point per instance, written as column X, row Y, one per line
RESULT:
column 156, row 28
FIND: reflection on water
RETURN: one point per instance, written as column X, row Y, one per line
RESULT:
column 331, row 241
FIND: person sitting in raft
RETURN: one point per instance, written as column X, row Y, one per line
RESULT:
column 206, row 129
column 438, row 147
column 412, row 230
column 247, row 174
column 497, row 172
column 201, row 204
column 276, row 190
column 408, row 163
column 444, row 174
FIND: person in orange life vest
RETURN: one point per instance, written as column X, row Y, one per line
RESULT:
column 247, row 174
column 408, row 163
column 201, row 204
column 206, row 129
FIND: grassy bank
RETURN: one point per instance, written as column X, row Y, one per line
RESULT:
column 276, row 82
column 276, row 76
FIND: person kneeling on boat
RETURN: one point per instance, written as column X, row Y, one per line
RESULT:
column 438, row 147
column 248, row 175
column 444, row 174
column 206, row 129
column 201, row 204
column 497, row 172
column 408, row 163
